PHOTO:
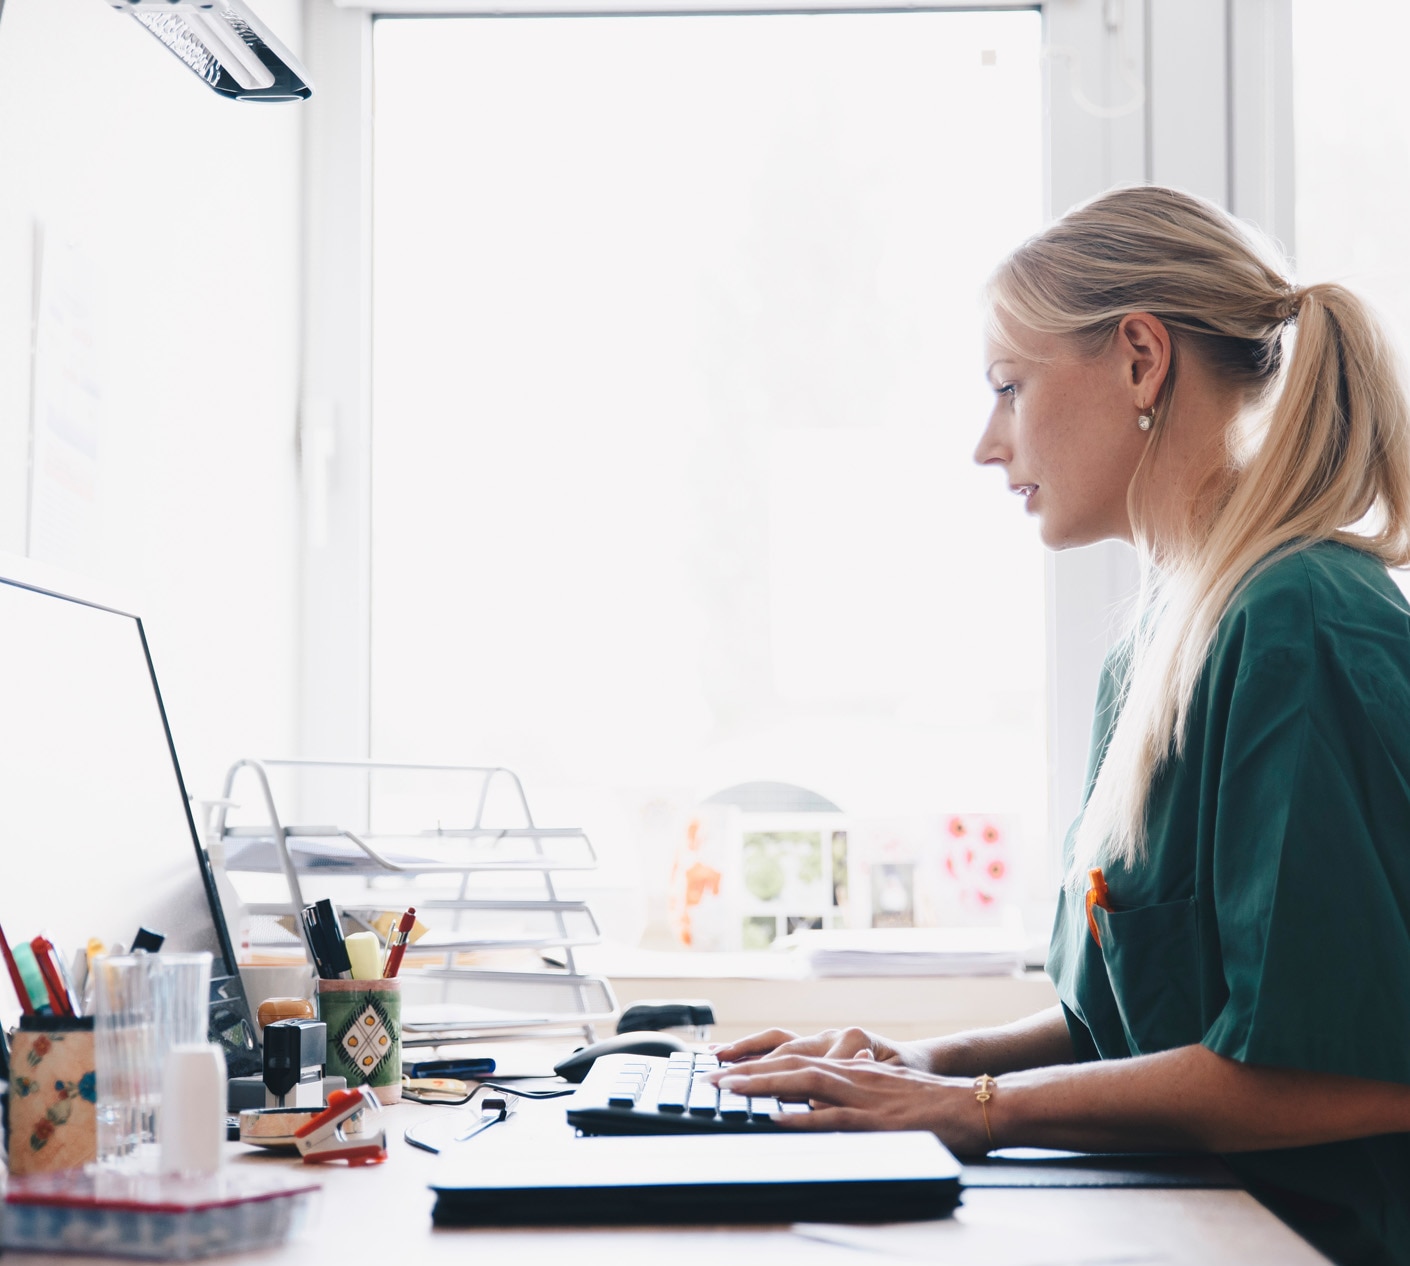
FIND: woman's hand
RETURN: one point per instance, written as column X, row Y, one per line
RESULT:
column 1037, row 1041
column 829, row 1044
column 861, row 1093
column 1186, row 1099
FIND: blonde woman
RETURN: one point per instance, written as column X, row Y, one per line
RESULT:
column 1232, row 947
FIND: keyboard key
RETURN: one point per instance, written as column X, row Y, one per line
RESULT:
column 704, row 1099
column 674, row 1094
column 651, row 1095
column 792, row 1109
column 734, row 1107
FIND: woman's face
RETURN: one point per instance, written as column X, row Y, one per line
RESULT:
column 1064, row 430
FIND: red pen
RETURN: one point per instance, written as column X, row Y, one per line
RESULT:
column 15, row 978
column 396, row 943
column 51, row 970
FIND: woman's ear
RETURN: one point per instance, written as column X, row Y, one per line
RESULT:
column 1144, row 345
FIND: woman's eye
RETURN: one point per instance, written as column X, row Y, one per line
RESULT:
column 1005, row 389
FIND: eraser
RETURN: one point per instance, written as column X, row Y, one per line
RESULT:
column 365, row 955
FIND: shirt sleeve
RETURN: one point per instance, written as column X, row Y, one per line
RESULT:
column 1311, row 870
column 1084, row 1049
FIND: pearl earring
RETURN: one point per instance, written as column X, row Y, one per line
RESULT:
column 1145, row 421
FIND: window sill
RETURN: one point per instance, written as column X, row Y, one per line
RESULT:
column 757, row 991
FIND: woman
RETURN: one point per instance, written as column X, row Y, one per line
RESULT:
column 1232, row 945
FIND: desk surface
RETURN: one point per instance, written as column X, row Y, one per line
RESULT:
column 383, row 1213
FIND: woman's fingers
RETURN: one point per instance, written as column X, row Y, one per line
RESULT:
column 827, row 1119
column 753, row 1046
column 796, row 1079
column 829, row 1044
column 795, row 1085
column 859, row 1094
column 818, row 1045
column 848, row 1043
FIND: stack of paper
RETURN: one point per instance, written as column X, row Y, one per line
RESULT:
column 985, row 951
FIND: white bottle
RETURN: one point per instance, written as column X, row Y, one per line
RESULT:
column 191, row 1129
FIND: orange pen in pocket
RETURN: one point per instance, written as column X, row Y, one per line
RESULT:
column 1097, row 895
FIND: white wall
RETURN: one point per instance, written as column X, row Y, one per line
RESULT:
column 188, row 205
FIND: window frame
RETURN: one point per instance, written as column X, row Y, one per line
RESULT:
column 1117, row 109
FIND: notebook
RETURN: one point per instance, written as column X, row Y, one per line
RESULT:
column 719, row 1178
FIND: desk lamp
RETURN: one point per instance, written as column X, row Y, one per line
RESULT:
column 226, row 45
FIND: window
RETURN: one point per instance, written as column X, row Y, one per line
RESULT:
column 1352, row 166
column 677, row 374
column 1352, row 169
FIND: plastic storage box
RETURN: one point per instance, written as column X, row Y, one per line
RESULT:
column 150, row 1217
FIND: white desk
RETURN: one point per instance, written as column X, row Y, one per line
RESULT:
column 382, row 1214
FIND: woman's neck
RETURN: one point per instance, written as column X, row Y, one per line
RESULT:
column 1191, row 472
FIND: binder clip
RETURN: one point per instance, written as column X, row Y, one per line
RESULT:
column 323, row 1138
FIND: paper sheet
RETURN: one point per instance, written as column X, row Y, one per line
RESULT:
column 67, row 408
column 963, row 1244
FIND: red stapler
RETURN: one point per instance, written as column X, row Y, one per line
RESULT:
column 323, row 1138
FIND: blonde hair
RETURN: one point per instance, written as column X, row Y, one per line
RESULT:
column 1320, row 452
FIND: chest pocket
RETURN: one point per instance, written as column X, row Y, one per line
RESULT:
column 1152, row 961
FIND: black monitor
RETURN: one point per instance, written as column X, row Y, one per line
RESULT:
column 96, row 833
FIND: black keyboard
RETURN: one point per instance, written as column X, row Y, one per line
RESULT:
column 649, row 1094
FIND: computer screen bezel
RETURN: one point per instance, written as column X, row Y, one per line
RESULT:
column 227, row 990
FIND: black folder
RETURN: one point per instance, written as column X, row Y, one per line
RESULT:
column 713, row 1179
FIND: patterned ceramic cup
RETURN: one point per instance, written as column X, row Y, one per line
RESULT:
column 364, row 1033
column 52, row 1092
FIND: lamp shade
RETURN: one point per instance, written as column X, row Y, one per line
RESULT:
column 226, row 45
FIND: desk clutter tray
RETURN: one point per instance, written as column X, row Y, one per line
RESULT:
column 150, row 1217
column 492, row 954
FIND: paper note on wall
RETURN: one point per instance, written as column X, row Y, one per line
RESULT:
column 954, row 869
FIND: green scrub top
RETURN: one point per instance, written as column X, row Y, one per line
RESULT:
column 1270, row 921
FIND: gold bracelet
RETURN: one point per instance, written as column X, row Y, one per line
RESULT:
column 984, row 1087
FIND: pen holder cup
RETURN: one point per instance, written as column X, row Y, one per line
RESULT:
column 364, row 1033
column 53, row 1089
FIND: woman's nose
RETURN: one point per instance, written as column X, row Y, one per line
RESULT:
column 993, row 446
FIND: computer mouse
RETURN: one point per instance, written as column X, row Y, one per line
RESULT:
column 576, row 1066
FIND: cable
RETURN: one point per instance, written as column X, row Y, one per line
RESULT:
column 528, row 1094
